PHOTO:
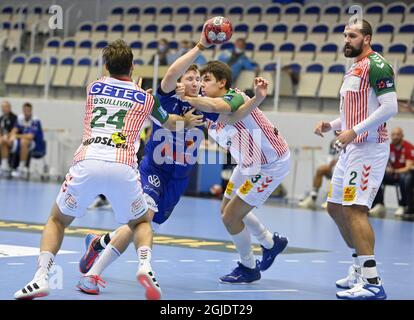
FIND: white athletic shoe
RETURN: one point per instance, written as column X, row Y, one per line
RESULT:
column 363, row 291
column 378, row 211
column 36, row 288
column 308, row 203
column 399, row 212
column 353, row 278
column 145, row 276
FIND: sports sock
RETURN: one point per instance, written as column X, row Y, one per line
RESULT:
column 244, row 248
column 109, row 255
column 258, row 230
column 44, row 263
column 369, row 269
column 144, row 255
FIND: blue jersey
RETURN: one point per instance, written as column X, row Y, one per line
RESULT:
column 179, row 146
column 32, row 126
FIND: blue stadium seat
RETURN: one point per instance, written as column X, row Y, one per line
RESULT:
column 316, row 67
column 406, row 70
column 311, row 14
column 319, row 33
column 272, row 14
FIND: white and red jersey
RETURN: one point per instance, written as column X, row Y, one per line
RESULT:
column 367, row 79
column 252, row 141
column 115, row 113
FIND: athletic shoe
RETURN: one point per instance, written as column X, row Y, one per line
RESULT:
column 308, row 203
column 37, row 288
column 145, row 276
column 399, row 212
column 88, row 259
column 269, row 255
column 90, row 284
column 100, row 203
column 242, row 275
column 21, row 173
column 351, row 280
column 378, row 211
column 363, row 291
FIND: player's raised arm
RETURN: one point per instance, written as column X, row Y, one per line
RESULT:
column 181, row 65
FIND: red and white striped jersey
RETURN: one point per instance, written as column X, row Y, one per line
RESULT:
column 252, row 141
column 367, row 79
column 115, row 113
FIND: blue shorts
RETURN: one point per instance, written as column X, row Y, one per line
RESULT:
column 162, row 192
column 37, row 150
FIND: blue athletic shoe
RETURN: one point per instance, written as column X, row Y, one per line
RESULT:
column 363, row 291
column 88, row 259
column 242, row 274
column 269, row 255
column 90, row 284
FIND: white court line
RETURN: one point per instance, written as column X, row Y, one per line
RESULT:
column 345, row 262
column 318, row 261
column 131, row 261
column 186, row 260
column 236, row 260
column 291, row 260
column 401, row 264
column 246, row 291
column 15, row 263
column 160, row 260
column 73, row 262
column 212, row 260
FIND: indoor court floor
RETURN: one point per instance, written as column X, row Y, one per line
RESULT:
column 193, row 249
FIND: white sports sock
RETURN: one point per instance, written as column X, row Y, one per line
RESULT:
column 44, row 263
column 5, row 164
column 103, row 239
column 244, row 248
column 144, row 255
column 258, row 230
column 109, row 255
column 355, row 262
column 368, row 267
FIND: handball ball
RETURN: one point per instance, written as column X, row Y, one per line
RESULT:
column 218, row 30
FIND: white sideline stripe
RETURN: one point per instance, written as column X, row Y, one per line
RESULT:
column 401, row 264
column 73, row 262
column 160, row 260
column 291, row 260
column 186, row 260
column 246, row 291
column 318, row 261
column 345, row 262
column 212, row 260
column 132, row 261
column 15, row 263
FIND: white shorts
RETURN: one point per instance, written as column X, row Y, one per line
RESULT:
column 256, row 189
column 119, row 182
column 358, row 174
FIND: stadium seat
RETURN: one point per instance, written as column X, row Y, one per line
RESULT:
column 395, row 13
column 252, row 15
column 311, row 14
column 396, row 53
column 298, row 33
column 259, row 34
column 52, row 46
column 410, row 57
column 165, row 15
column 327, row 55
column 272, row 14
column 63, row 72
column 33, row 17
column 309, row 81
column 184, row 32
column 240, row 31
column 148, row 15
column 409, row 16
column 97, row 49
column 148, row 51
column 235, row 13
column 31, row 70
column 15, row 35
column 217, row 10
column 245, row 80
column 384, row 33
column 80, row 72
column 149, row 33
column 67, row 47
column 83, row 48
column 132, row 33
column 405, row 34
column 290, row 14
column 4, row 32
column 14, row 69
column 377, row 47
column 250, row 49
column 306, row 53
column 285, row 52
column 181, row 15
column 84, row 31
column 278, row 33
column 264, row 53
column 332, row 81
column 20, row 15
column 336, row 35
column 136, row 47
column 405, row 81
column 331, row 15
column 116, row 16
column 167, row 32
column 116, row 32
column 6, row 13
column 198, row 14
column 47, row 71
column 132, row 15
column 100, row 31
column 319, row 33
column 95, row 71
column 374, row 13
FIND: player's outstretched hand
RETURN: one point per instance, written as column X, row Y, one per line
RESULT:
column 203, row 39
column 322, row 127
column 260, row 88
column 192, row 120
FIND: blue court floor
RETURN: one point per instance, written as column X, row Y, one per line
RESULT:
column 192, row 250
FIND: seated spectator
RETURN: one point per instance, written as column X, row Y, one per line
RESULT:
column 237, row 59
column 163, row 52
column 322, row 171
column 398, row 172
column 7, row 123
column 28, row 141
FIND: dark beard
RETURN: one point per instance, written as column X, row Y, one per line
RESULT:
column 355, row 52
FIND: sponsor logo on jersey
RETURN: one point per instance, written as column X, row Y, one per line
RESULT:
column 246, row 187
column 229, row 188
column 108, row 141
column 154, row 180
column 103, row 89
column 228, row 97
column 349, row 193
column 113, row 102
column 384, row 84
column 70, row 202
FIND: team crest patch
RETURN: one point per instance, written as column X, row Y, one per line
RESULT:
column 384, row 84
column 229, row 188
column 349, row 193
column 118, row 138
column 246, row 187
column 137, row 206
column 70, row 202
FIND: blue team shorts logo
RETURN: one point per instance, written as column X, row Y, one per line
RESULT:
column 154, row 180
column 103, row 89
